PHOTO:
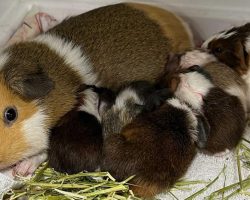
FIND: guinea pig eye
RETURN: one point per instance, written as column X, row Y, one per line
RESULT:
column 218, row 50
column 10, row 115
column 194, row 68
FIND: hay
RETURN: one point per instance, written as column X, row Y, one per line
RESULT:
column 51, row 185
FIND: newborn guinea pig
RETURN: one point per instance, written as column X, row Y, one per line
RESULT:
column 149, row 135
column 232, row 48
column 223, row 111
column 76, row 141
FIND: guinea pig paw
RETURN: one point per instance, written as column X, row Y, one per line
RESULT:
column 196, row 57
column 24, row 168
column 27, row 166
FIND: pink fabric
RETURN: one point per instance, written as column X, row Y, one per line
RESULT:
column 33, row 26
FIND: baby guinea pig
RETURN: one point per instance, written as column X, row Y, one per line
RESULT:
column 224, row 112
column 232, row 47
column 156, row 146
column 75, row 143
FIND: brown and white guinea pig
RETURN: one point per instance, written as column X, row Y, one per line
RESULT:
column 107, row 46
column 232, row 47
column 75, row 143
column 156, row 146
column 223, row 110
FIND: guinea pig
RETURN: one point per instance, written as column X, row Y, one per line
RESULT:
column 223, row 76
column 156, row 146
column 75, row 143
column 107, row 47
column 232, row 48
column 224, row 112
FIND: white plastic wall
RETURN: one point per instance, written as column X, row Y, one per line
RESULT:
column 205, row 16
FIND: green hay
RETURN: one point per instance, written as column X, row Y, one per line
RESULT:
column 47, row 184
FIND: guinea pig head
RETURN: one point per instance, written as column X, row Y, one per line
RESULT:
column 23, row 122
column 231, row 47
column 194, row 84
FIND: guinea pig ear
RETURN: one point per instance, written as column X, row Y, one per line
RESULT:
column 31, row 86
column 243, row 57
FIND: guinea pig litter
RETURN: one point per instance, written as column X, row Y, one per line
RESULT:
column 48, row 184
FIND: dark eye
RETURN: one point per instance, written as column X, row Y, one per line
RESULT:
column 218, row 50
column 194, row 68
column 10, row 115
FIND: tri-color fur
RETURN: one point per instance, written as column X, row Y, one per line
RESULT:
column 232, row 47
column 108, row 46
column 75, row 143
column 213, row 93
column 157, row 147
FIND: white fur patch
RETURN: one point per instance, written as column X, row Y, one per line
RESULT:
column 247, row 44
column 196, row 57
column 238, row 92
column 124, row 96
column 90, row 105
column 222, row 35
column 3, row 59
column 36, row 133
column 72, row 55
column 246, row 78
column 192, row 88
column 192, row 120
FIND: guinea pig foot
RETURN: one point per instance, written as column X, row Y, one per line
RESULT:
column 28, row 166
column 222, row 154
column 196, row 57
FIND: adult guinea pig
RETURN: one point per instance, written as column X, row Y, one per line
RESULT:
column 75, row 143
column 157, row 146
column 222, row 107
column 106, row 46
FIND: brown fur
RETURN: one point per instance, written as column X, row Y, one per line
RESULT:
column 155, row 147
column 13, row 141
column 181, row 40
column 130, row 46
column 63, row 96
column 122, row 44
column 232, row 49
column 224, row 111
column 223, row 76
column 226, row 117
column 76, row 143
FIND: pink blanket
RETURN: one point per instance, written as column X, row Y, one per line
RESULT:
column 32, row 26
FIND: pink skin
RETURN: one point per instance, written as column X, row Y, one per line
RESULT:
column 27, row 166
column 196, row 57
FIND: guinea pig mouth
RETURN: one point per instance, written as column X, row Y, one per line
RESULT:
column 3, row 167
